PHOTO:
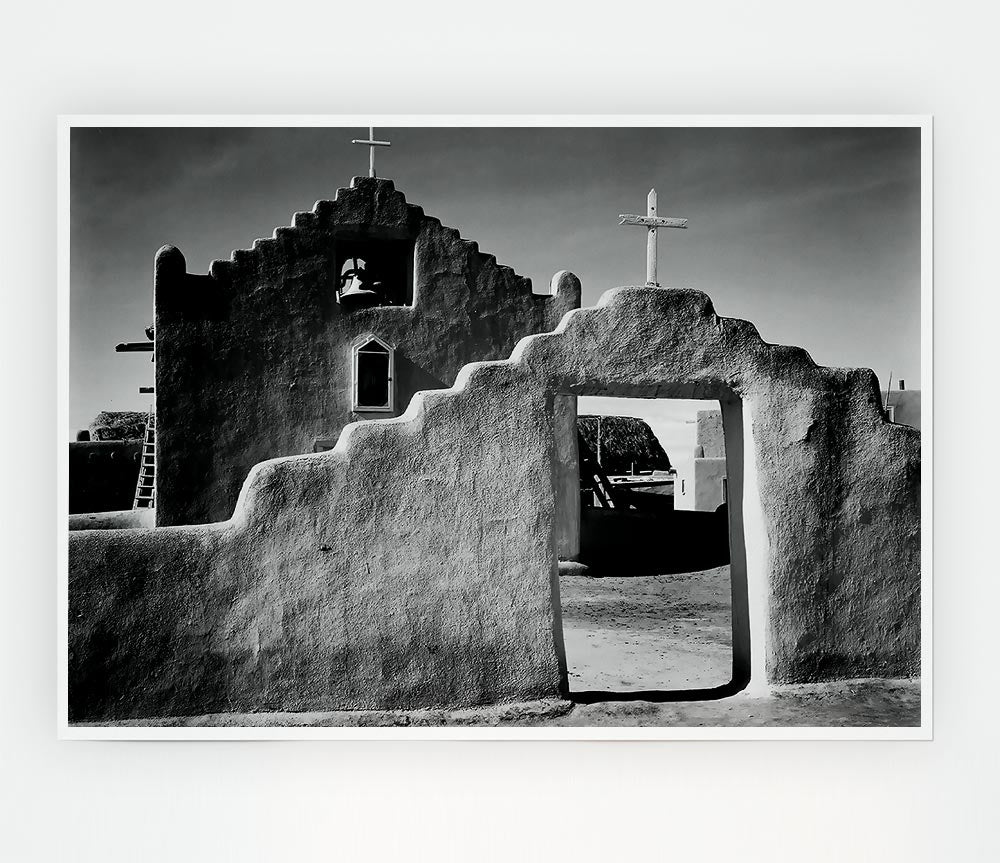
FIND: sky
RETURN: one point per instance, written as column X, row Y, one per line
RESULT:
column 811, row 233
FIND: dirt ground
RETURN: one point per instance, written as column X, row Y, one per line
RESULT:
column 647, row 632
column 844, row 704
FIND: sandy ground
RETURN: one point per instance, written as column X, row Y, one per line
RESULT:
column 845, row 704
column 114, row 520
column 647, row 632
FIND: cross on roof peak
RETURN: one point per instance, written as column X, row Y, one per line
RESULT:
column 652, row 222
column 372, row 144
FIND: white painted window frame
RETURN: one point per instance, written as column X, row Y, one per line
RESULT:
column 356, row 351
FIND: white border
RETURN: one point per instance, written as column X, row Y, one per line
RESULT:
column 923, row 732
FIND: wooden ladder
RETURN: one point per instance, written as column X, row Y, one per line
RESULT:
column 145, row 489
column 593, row 478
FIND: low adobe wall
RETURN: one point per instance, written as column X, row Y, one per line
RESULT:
column 388, row 572
column 415, row 564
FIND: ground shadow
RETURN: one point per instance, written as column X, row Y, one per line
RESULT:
column 623, row 543
column 660, row 696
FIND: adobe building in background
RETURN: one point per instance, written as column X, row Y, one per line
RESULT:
column 342, row 316
column 701, row 484
column 902, row 406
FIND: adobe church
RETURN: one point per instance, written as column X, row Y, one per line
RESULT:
column 343, row 316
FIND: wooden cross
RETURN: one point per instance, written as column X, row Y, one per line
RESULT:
column 372, row 144
column 651, row 221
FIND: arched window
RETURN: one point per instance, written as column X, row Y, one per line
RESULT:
column 373, row 368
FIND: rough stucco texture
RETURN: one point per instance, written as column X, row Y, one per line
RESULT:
column 253, row 361
column 415, row 563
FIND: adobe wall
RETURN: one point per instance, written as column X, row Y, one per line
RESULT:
column 415, row 564
column 906, row 405
column 408, row 567
column 699, row 482
column 567, row 477
column 708, row 476
column 709, row 434
column 253, row 360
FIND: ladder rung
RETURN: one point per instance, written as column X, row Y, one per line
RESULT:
column 145, row 489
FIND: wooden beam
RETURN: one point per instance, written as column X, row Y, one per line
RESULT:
column 133, row 347
column 652, row 222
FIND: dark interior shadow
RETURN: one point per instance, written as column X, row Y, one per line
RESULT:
column 625, row 543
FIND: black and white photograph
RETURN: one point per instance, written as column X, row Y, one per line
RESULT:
column 530, row 426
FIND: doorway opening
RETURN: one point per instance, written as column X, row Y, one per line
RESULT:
column 653, row 595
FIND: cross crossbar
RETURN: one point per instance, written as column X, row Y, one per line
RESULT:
column 652, row 222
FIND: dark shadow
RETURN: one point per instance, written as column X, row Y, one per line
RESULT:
column 388, row 270
column 103, row 475
column 411, row 378
column 660, row 696
column 619, row 542
column 202, row 297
